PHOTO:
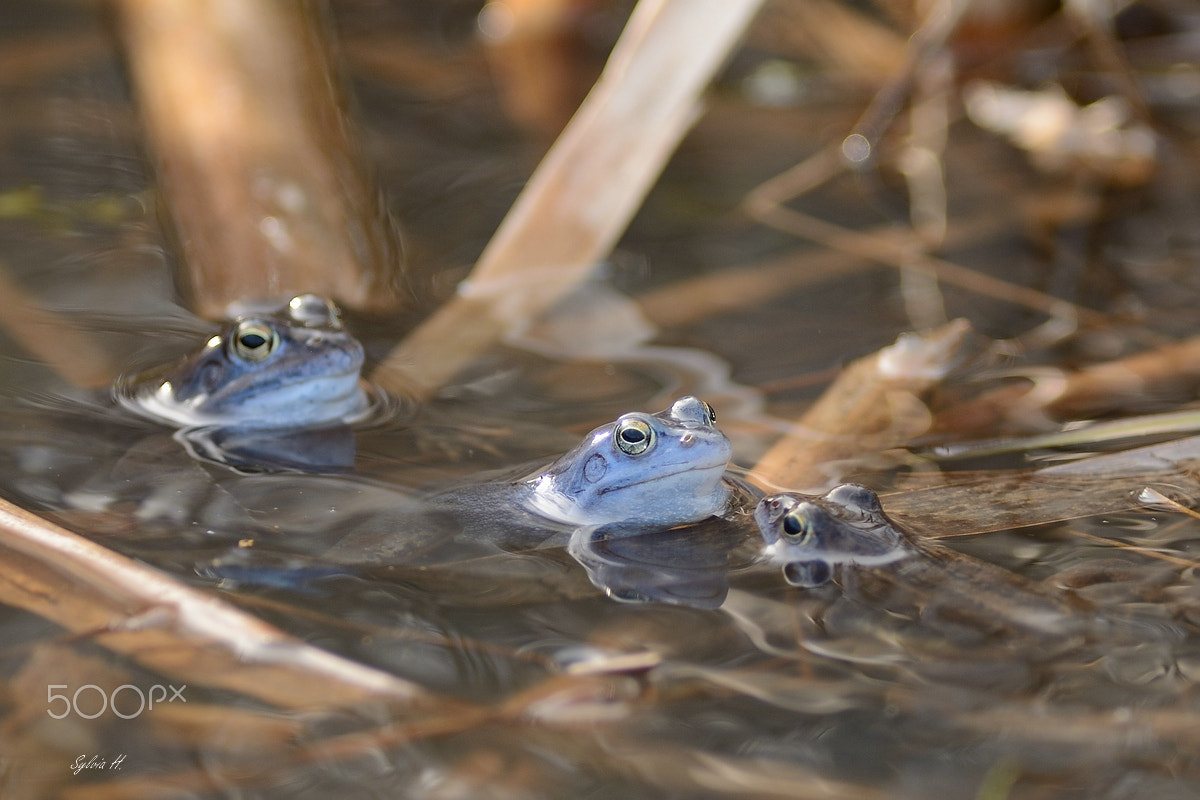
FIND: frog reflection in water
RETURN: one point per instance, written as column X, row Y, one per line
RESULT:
column 640, row 472
column 253, row 396
column 846, row 534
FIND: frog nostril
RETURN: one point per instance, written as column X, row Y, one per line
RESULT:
column 687, row 440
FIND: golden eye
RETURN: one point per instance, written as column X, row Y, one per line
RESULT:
column 633, row 437
column 710, row 413
column 797, row 526
column 254, row 341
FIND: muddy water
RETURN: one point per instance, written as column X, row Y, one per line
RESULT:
column 668, row 667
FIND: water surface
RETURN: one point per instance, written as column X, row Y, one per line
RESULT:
column 727, row 683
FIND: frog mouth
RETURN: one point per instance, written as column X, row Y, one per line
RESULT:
column 666, row 473
column 339, row 390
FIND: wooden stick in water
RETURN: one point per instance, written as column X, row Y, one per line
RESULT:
column 173, row 629
column 585, row 191
column 255, row 158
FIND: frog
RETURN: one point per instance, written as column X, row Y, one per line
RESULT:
column 846, row 535
column 294, row 367
column 810, row 535
column 641, row 472
column 272, row 391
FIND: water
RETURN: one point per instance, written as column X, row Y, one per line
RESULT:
column 548, row 676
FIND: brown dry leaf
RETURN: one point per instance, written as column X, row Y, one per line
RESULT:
column 1167, row 373
column 1102, row 138
column 874, row 405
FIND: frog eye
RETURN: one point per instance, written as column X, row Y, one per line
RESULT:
column 855, row 498
column 633, row 437
column 798, row 526
column 254, row 341
column 314, row 311
column 709, row 413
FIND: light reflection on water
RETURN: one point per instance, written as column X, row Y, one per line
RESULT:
column 730, row 685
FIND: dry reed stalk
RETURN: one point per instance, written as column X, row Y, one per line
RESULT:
column 1050, row 724
column 924, row 61
column 534, row 49
column 902, row 248
column 254, row 156
column 173, row 629
column 584, row 193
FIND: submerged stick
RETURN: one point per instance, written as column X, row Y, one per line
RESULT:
column 970, row 503
column 171, row 628
column 254, row 155
column 585, row 191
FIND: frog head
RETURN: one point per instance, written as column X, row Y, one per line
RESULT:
column 291, row 368
column 808, row 535
column 658, row 470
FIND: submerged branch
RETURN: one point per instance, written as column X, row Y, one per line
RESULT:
column 173, row 629
column 1104, row 484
